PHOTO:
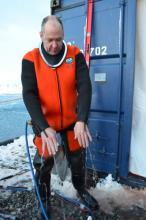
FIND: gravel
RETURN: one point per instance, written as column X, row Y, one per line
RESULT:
column 23, row 205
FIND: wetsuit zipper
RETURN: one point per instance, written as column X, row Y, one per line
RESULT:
column 59, row 92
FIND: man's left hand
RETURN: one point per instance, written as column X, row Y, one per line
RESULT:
column 82, row 134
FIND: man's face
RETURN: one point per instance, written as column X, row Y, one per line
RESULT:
column 52, row 38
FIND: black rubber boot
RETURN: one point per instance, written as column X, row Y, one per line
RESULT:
column 47, row 208
column 88, row 200
column 77, row 165
column 43, row 178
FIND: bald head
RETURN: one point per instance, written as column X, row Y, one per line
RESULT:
column 52, row 34
column 52, row 20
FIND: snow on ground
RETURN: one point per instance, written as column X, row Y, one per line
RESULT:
column 15, row 171
column 111, row 194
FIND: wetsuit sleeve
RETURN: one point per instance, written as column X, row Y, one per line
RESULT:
column 30, row 95
column 83, row 87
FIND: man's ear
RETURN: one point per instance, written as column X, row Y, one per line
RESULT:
column 41, row 34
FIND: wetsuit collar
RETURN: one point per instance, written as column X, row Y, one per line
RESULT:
column 60, row 61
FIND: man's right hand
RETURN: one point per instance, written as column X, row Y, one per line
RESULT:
column 49, row 140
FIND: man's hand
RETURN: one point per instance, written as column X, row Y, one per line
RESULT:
column 82, row 134
column 49, row 140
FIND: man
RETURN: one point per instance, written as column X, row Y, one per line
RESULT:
column 57, row 95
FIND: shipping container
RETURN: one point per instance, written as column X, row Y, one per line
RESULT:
column 112, row 72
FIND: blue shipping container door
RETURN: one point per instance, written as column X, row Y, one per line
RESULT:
column 111, row 72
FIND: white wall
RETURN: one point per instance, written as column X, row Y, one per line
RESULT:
column 138, row 141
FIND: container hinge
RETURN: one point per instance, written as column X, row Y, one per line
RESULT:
column 55, row 4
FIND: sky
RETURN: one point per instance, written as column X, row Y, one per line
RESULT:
column 19, row 32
